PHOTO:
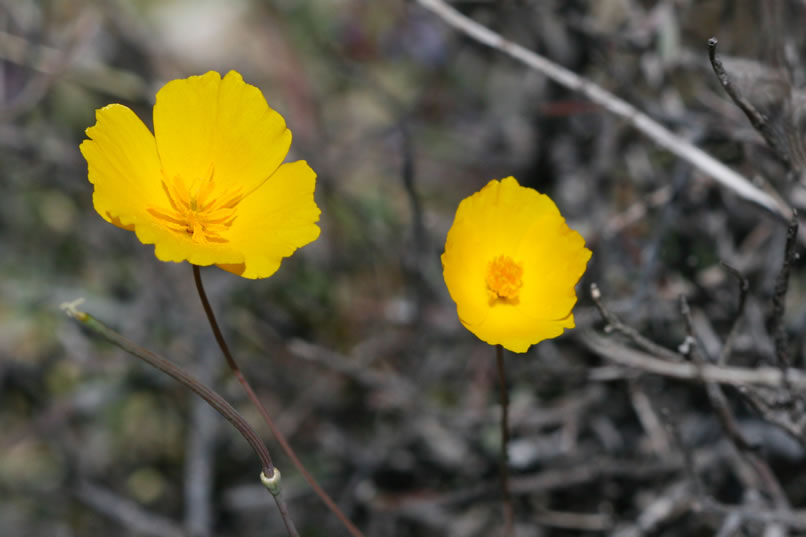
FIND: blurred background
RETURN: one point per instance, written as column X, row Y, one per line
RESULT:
column 354, row 344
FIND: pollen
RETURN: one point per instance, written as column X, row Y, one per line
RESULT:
column 201, row 210
column 504, row 278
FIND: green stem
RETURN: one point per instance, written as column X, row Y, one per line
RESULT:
column 506, row 497
column 278, row 435
column 208, row 394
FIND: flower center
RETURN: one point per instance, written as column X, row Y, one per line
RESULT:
column 504, row 278
column 199, row 209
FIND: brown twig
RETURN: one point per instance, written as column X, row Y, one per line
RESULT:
column 615, row 324
column 278, row 435
column 757, row 119
column 777, row 325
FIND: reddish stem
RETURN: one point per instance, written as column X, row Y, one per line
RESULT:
column 278, row 435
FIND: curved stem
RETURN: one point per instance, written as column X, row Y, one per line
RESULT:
column 507, row 498
column 212, row 398
column 278, row 435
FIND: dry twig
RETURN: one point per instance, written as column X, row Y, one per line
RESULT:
column 757, row 119
column 728, row 178
column 777, row 326
column 210, row 396
column 736, row 376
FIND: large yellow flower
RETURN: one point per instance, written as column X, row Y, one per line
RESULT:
column 209, row 186
column 511, row 264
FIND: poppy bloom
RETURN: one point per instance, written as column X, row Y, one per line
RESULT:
column 511, row 264
column 209, row 186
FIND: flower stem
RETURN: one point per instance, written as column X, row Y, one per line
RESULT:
column 506, row 497
column 278, row 435
column 212, row 398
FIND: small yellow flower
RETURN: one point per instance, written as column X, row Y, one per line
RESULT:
column 209, row 186
column 511, row 264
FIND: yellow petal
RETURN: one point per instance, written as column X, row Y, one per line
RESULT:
column 501, row 213
column 206, row 120
column 554, row 258
column 123, row 165
column 464, row 265
column 512, row 328
column 274, row 220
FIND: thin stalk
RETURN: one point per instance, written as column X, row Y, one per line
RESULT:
column 278, row 435
column 506, row 497
column 212, row 398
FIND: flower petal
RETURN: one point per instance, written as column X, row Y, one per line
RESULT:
column 554, row 258
column 206, row 120
column 123, row 165
column 501, row 212
column 274, row 221
column 511, row 326
column 464, row 266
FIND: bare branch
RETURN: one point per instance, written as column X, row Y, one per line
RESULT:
column 615, row 324
column 777, row 326
column 649, row 127
column 736, row 376
column 757, row 119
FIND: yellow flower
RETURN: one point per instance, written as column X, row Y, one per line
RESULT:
column 511, row 264
column 209, row 186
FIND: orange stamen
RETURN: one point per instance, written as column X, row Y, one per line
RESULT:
column 201, row 211
column 504, row 278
